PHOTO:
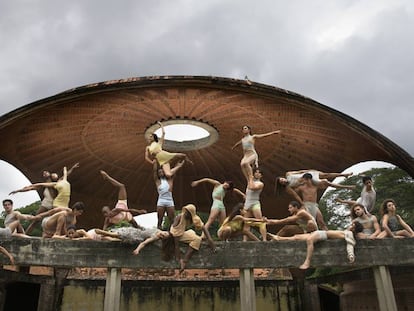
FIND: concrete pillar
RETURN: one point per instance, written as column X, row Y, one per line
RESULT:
column 247, row 290
column 385, row 290
column 47, row 297
column 112, row 289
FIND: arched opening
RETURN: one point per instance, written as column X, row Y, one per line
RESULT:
column 14, row 179
column 185, row 134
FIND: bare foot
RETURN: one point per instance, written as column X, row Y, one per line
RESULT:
column 304, row 266
column 347, row 174
column 273, row 236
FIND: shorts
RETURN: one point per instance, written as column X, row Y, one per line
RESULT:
column 253, row 206
column 218, row 204
column 191, row 238
column 312, row 208
column 5, row 232
column 165, row 202
column 322, row 235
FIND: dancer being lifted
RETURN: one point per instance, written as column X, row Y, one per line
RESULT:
column 164, row 184
column 218, row 210
column 120, row 212
column 250, row 157
column 294, row 179
column 154, row 150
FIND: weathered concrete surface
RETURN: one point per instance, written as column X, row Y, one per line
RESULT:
column 234, row 254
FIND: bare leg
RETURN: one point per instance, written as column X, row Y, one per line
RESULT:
column 257, row 213
column 349, row 202
column 170, row 215
column 312, row 238
column 319, row 220
column 331, row 176
column 107, row 233
column 34, row 222
column 186, row 258
column 160, row 215
column 327, row 183
column 122, row 194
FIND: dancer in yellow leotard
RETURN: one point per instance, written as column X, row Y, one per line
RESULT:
column 154, row 152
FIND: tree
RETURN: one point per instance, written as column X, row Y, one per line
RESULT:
column 389, row 183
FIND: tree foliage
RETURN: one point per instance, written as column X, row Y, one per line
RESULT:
column 389, row 183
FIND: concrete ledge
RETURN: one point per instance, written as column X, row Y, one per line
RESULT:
column 230, row 255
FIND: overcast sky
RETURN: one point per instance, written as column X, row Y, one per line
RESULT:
column 354, row 56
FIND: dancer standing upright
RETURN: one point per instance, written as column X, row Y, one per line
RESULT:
column 250, row 157
column 164, row 184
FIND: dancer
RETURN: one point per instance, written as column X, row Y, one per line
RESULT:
column 12, row 216
column 367, row 198
column 392, row 224
column 154, row 150
column 250, row 157
column 128, row 234
column 121, row 212
column 55, row 225
column 164, row 184
column 49, row 193
column 299, row 221
column 178, row 230
column 320, row 235
column 293, row 179
column 252, row 204
column 218, row 210
column 233, row 225
column 371, row 228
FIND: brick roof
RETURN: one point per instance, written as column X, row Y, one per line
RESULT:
column 102, row 126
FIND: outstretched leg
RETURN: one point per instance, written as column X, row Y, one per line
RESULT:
column 326, row 183
column 331, row 176
column 122, row 194
column 29, row 229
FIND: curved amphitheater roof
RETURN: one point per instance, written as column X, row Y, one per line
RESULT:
column 102, row 126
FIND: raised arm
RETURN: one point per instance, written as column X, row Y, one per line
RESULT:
column 65, row 173
column 266, row 134
column 209, row 180
column 176, row 168
column 252, row 185
column 147, row 156
column 289, row 190
column 161, row 140
column 76, row 165
column 24, row 189
column 236, row 144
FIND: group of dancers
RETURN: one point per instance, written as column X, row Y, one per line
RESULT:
column 58, row 220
